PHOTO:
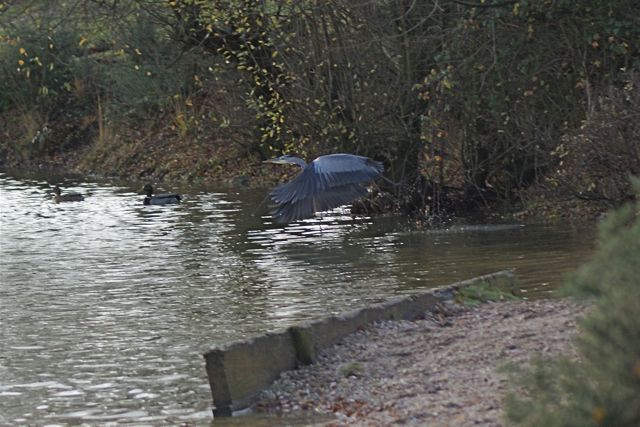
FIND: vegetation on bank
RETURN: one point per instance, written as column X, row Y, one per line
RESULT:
column 602, row 386
column 467, row 103
column 484, row 292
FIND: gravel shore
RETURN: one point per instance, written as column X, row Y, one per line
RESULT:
column 438, row 371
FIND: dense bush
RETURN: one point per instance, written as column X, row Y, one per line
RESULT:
column 596, row 161
column 512, row 80
column 458, row 98
column 41, row 89
column 71, row 74
column 472, row 95
column 602, row 386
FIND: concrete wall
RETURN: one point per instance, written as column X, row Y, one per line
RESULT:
column 239, row 371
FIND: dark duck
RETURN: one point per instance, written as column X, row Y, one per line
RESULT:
column 159, row 199
column 68, row 197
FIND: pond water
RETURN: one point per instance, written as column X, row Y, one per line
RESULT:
column 106, row 305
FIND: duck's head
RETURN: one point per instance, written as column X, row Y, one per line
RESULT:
column 56, row 190
column 148, row 189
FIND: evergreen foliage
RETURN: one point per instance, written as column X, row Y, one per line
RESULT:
column 602, row 386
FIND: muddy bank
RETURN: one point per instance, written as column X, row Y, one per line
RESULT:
column 438, row 371
column 207, row 155
column 159, row 153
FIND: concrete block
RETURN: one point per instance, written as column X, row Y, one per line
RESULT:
column 239, row 371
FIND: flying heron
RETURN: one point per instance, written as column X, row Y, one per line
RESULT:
column 325, row 183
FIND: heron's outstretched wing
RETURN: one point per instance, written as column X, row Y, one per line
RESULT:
column 326, row 183
column 307, row 207
column 327, row 172
column 342, row 169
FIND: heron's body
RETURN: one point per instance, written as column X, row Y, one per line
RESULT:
column 325, row 183
column 159, row 199
column 68, row 197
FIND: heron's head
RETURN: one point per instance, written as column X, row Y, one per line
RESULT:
column 287, row 159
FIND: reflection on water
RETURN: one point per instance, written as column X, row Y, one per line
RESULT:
column 107, row 305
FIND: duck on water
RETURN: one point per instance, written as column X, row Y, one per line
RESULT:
column 68, row 197
column 159, row 199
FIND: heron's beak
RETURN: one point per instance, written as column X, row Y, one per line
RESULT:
column 274, row 161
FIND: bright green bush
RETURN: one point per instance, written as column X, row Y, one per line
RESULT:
column 602, row 386
column 35, row 66
column 73, row 73
column 56, row 58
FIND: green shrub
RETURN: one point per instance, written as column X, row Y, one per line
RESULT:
column 595, row 162
column 351, row 369
column 35, row 67
column 484, row 292
column 602, row 386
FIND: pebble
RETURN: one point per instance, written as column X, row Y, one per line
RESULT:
column 443, row 366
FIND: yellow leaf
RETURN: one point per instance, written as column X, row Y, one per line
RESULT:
column 22, row 51
column 20, row 62
column 83, row 41
column 598, row 414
